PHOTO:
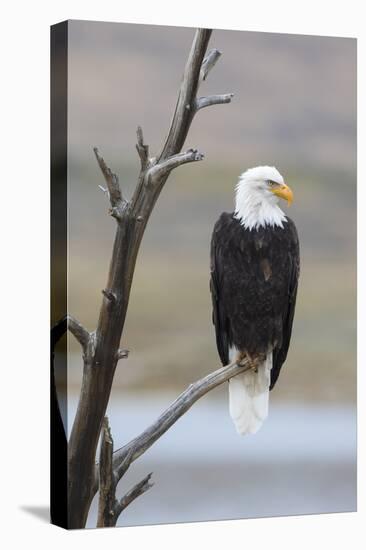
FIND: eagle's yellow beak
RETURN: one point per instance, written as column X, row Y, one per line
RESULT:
column 284, row 192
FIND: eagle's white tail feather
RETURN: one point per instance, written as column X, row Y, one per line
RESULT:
column 249, row 397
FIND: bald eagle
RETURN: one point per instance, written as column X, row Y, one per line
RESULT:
column 254, row 277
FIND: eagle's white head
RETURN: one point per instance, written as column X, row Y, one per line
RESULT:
column 257, row 195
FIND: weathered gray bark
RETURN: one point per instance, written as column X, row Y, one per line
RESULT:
column 109, row 507
column 106, row 479
column 101, row 348
column 110, row 469
column 123, row 457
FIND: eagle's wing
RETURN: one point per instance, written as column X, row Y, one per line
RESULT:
column 219, row 317
column 280, row 354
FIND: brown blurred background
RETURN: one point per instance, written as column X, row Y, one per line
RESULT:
column 295, row 108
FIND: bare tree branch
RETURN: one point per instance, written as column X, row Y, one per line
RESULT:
column 208, row 63
column 184, row 110
column 123, row 353
column 109, row 508
column 80, row 332
column 124, row 456
column 139, row 489
column 213, row 100
column 142, row 149
column 114, row 191
column 109, row 294
column 107, row 486
column 164, row 167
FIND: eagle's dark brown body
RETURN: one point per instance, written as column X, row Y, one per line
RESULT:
column 254, row 275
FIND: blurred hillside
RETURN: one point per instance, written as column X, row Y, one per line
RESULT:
column 295, row 96
column 294, row 107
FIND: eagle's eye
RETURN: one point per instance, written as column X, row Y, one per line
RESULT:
column 271, row 183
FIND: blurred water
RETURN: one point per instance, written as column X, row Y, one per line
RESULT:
column 302, row 461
